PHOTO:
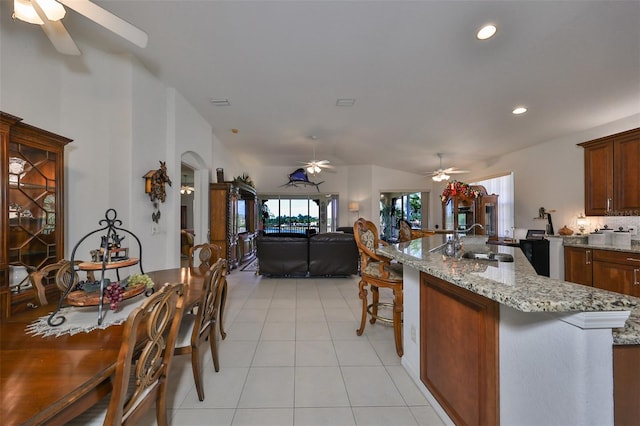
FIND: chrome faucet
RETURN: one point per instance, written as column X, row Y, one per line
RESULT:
column 473, row 226
column 457, row 244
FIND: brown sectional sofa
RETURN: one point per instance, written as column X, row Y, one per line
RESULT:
column 296, row 255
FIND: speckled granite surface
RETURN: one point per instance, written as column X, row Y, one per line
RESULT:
column 515, row 284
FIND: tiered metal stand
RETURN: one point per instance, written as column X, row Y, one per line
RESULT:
column 111, row 225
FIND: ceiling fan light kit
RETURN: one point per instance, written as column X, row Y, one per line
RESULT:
column 443, row 174
column 314, row 167
column 49, row 14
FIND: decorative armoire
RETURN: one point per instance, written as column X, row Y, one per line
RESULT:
column 233, row 219
column 32, row 227
column 463, row 205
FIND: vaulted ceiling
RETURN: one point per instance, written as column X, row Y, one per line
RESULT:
column 422, row 83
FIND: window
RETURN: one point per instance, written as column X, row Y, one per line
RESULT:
column 503, row 186
column 303, row 214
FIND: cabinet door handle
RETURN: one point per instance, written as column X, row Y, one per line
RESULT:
column 588, row 257
column 631, row 259
column 608, row 204
column 635, row 277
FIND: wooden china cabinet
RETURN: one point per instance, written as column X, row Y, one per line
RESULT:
column 233, row 220
column 472, row 204
column 32, row 227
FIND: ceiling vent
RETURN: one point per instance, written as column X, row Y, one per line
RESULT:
column 220, row 102
column 345, row 102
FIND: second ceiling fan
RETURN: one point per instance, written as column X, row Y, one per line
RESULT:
column 314, row 166
column 443, row 174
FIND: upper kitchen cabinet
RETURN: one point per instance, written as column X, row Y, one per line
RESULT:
column 612, row 174
column 31, row 227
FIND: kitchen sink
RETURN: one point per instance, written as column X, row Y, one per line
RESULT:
column 500, row 257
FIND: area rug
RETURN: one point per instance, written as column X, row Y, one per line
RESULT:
column 251, row 266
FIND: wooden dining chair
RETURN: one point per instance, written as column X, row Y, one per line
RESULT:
column 207, row 255
column 140, row 379
column 378, row 271
column 197, row 328
column 406, row 233
column 58, row 273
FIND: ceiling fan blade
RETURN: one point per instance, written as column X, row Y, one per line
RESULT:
column 457, row 171
column 109, row 21
column 57, row 33
column 322, row 162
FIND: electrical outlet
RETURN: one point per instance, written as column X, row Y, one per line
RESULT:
column 155, row 229
column 413, row 333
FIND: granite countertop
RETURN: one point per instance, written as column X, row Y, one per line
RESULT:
column 514, row 284
column 583, row 241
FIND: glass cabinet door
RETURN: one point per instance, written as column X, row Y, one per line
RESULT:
column 33, row 236
column 32, row 226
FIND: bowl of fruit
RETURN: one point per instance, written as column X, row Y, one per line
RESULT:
column 88, row 293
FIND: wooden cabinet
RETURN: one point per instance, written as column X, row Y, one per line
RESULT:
column 578, row 265
column 459, row 351
column 233, row 220
column 612, row 174
column 611, row 270
column 468, row 206
column 32, row 227
column 617, row 271
column 626, row 384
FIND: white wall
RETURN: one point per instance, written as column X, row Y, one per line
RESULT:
column 551, row 175
column 122, row 120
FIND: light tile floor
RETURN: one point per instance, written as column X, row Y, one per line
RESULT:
column 292, row 357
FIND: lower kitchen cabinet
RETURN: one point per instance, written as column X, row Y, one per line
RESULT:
column 611, row 270
column 617, row 271
column 626, row 384
column 577, row 265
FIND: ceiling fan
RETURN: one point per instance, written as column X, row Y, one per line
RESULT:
column 443, row 174
column 49, row 14
column 314, row 167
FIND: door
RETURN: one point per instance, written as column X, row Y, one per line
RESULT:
column 578, row 265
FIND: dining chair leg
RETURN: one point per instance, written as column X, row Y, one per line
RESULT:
column 197, row 373
column 223, row 301
column 397, row 320
column 161, row 405
column 214, row 349
column 363, row 296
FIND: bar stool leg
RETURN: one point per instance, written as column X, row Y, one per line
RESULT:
column 363, row 296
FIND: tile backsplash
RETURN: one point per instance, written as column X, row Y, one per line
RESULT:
column 614, row 222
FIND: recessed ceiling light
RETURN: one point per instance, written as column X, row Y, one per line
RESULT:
column 486, row 32
column 345, row 102
column 220, row 102
column 519, row 110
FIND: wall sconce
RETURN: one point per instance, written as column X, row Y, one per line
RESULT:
column 354, row 206
column 582, row 222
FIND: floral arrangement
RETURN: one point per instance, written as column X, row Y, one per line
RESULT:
column 455, row 187
column 245, row 179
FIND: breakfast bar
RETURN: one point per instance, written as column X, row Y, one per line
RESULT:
column 491, row 342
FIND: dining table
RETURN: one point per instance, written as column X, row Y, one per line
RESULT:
column 55, row 378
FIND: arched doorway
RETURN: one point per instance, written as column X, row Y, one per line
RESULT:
column 196, row 203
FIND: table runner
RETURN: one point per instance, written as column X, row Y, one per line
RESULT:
column 84, row 319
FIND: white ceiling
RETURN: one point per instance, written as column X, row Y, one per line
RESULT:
column 422, row 83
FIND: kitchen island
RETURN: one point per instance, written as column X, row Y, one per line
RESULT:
column 493, row 342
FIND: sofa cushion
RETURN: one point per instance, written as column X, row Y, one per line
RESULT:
column 284, row 256
column 333, row 253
